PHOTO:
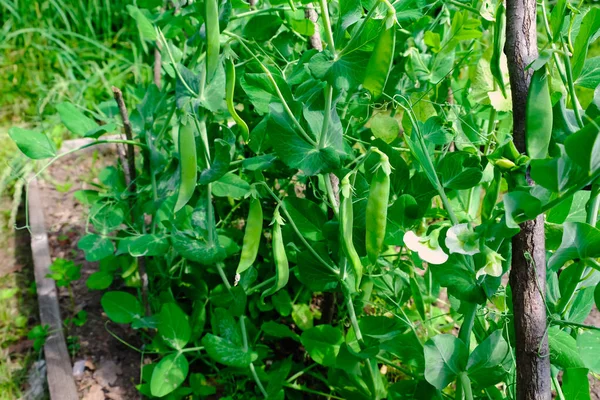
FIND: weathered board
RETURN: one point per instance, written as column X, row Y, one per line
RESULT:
column 60, row 372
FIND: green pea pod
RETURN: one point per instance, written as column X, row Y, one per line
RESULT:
column 499, row 29
column 538, row 128
column 252, row 236
column 230, row 87
column 213, row 44
column 187, row 165
column 346, row 222
column 377, row 206
column 282, row 268
column 380, row 62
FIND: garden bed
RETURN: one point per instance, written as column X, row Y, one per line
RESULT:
column 105, row 367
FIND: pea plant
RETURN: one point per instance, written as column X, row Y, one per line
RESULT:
column 324, row 198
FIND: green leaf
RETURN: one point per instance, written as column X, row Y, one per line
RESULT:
column 322, row 343
column 272, row 328
column 262, row 27
column 106, row 217
column 556, row 174
column 459, row 279
column 169, row 374
column 34, row 145
column 563, row 349
column 100, row 280
column 385, row 127
column 588, row 28
column 302, row 316
column 173, row 326
column 313, row 273
column 197, row 249
column 76, row 122
column 121, row 307
column 101, row 130
column 460, row 171
column 588, row 344
column 230, row 185
column 584, row 147
column 295, row 151
column 220, row 164
column 344, row 73
column 575, row 384
column 490, row 361
column 96, row 247
column 261, row 91
column 445, row 357
column 145, row 27
column 147, row 245
column 227, row 353
column 520, row 205
column 579, row 241
column 590, row 74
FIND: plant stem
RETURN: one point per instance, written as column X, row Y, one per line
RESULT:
column 353, row 320
column 327, row 26
column 326, row 114
column 307, row 390
column 557, row 387
column 331, row 194
column 574, row 100
column 174, row 64
column 467, row 326
column 220, row 266
column 251, row 366
column 466, row 385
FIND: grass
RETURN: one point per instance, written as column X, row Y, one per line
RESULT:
column 50, row 51
column 18, row 313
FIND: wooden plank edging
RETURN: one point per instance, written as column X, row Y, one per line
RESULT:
column 60, row 371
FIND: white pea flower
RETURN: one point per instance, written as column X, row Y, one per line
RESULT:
column 493, row 264
column 461, row 239
column 427, row 247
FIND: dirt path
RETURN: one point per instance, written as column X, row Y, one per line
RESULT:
column 109, row 369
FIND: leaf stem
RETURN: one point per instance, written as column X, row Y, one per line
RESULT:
column 251, row 365
column 571, row 84
column 326, row 115
column 466, row 385
column 174, row 64
column 327, row 26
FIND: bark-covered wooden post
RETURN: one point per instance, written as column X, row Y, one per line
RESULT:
column 528, row 272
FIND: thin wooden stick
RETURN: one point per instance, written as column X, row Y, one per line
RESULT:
column 157, row 65
column 132, row 186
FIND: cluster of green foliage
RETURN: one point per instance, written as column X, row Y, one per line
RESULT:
column 51, row 50
column 276, row 183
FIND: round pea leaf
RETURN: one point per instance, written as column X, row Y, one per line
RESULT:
column 322, row 343
column 34, row 145
column 445, row 357
column 121, row 307
column 169, row 374
column 385, row 127
column 173, row 326
column 96, row 247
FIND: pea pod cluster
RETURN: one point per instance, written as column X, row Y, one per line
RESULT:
column 282, row 267
column 252, row 236
column 187, row 165
column 377, row 206
column 346, row 224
